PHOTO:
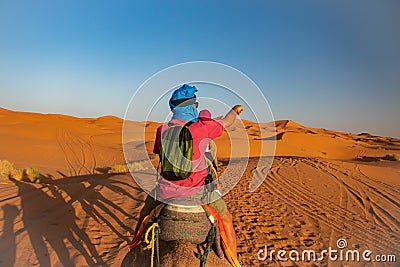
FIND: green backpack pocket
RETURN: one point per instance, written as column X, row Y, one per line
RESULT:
column 176, row 152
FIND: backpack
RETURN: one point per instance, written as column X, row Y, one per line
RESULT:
column 176, row 152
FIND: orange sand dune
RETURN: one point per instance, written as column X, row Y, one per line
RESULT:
column 315, row 193
column 293, row 139
column 59, row 145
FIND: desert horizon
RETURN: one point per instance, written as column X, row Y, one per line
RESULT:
column 322, row 186
column 362, row 132
column 70, row 136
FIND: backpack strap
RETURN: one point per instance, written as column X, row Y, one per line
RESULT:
column 157, row 177
column 170, row 124
column 189, row 123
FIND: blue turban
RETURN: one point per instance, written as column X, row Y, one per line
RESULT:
column 181, row 103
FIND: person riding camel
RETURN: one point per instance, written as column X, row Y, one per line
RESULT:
column 184, row 108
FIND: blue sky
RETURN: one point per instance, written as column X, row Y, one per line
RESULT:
column 332, row 65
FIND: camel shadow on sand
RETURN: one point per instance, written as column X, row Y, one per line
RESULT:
column 53, row 223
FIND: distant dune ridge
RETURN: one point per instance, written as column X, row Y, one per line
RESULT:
column 323, row 185
column 60, row 145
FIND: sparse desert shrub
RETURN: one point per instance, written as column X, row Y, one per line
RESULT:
column 27, row 175
column 6, row 168
column 392, row 157
column 17, row 175
column 120, row 168
column 31, row 175
column 136, row 166
column 123, row 168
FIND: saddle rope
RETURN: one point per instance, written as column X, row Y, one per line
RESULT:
column 154, row 228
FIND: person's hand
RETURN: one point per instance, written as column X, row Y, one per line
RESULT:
column 238, row 109
column 230, row 117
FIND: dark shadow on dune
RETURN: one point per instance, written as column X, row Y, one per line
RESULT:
column 116, row 188
column 7, row 240
column 102, row 180
column 62, row 174
column 94, row 203
column 272, row 138
column 367, row 159
column 48, row 218
column 388, row 157
column 103, row 170
column 129, row 185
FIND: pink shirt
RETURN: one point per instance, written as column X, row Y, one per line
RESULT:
column 203, row 132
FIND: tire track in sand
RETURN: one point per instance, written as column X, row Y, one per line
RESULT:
column 365, row 195
column 326, row 211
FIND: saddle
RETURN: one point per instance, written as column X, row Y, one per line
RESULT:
column 171, row 222
column 178, row 222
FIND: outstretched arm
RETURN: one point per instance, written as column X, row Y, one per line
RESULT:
column 230, row 117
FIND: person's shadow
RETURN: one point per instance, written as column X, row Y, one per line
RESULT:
column 7, row 239
column 49, row 220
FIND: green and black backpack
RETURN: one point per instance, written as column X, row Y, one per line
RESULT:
column 176, row 152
